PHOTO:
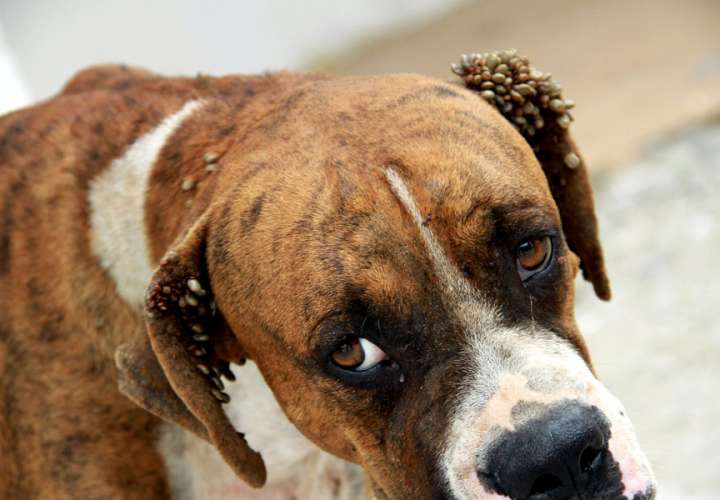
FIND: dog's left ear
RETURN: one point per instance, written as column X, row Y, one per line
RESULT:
column 532, row 102
column 179, row 378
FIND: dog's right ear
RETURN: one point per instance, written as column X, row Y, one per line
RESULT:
column 174, row 371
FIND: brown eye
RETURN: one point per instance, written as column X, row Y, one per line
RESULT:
column 533, row 256
column 349, row 355
column 358, row 354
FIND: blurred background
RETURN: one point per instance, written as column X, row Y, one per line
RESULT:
column 646, row 79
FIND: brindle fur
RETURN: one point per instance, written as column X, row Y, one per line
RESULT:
column 299, row 225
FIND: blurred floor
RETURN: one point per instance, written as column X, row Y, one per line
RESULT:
column 636, row 69
column 657, row 343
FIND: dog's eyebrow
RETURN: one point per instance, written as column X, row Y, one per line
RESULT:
column 501, row 211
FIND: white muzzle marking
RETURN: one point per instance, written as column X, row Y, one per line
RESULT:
column 541, row 368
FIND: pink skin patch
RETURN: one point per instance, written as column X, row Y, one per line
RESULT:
column 490, row 414
column 637, row 477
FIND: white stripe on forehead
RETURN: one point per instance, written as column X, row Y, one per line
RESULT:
column 117, row 209
column 470, row 306
column 478, row 319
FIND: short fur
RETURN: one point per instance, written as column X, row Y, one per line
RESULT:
column 274, row 201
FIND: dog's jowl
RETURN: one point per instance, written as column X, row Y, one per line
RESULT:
column 302, row 286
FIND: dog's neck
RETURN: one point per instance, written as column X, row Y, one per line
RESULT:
column 128, row 238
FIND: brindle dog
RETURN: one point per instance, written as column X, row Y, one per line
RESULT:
column 390, row 254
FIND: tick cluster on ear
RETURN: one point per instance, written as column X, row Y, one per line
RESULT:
column 527, row 97
column 195, row 308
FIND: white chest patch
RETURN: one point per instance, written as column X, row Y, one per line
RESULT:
column 117, row 209
column 296, row 467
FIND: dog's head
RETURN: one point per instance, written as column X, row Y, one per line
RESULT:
column 399, row 262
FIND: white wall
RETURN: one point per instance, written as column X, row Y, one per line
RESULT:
column 13, row 91
column 52, row 39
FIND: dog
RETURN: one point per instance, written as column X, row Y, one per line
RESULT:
column 385, row 264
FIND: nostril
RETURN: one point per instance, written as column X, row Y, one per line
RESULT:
column 590, row 459
column 545, row 484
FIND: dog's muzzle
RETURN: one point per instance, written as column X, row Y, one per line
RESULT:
column 537, row 425
column 560, row 454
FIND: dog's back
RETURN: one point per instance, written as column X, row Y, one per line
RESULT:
column 55, row 378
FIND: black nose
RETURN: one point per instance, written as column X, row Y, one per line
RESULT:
column 558, row 455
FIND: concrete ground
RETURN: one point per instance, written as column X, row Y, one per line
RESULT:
column 657, row 343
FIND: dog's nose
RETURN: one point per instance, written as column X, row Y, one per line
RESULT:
column 558, row 455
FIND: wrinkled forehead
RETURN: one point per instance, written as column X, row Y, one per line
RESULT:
column 335, row 217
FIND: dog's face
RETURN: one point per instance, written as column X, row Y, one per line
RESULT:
column 392, row 257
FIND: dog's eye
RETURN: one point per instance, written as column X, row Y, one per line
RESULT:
column 533, row 256
column 358, row 354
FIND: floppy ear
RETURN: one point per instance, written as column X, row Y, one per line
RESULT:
column 175, row 371
column 534, row 105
